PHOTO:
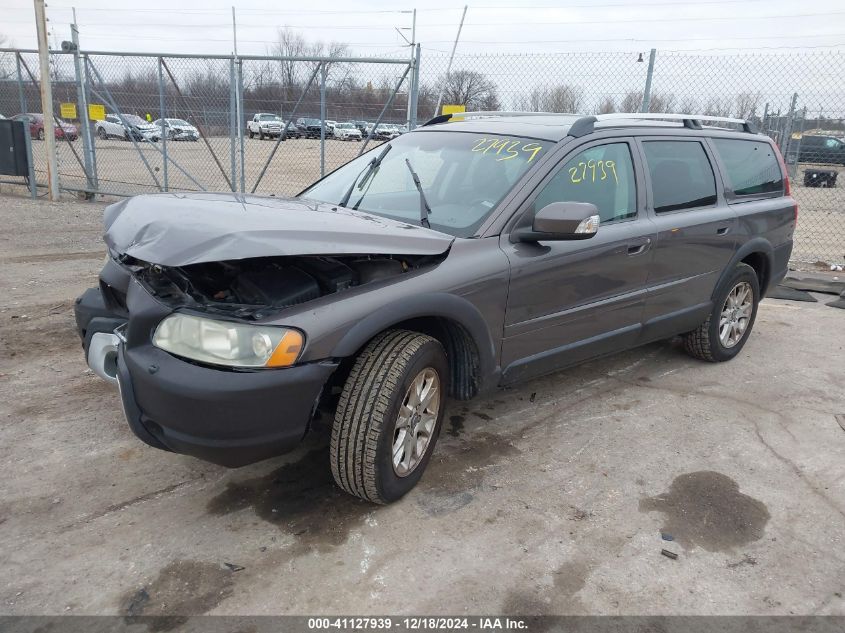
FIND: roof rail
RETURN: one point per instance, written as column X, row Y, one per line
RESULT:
column 585, row 125
column 442, row 118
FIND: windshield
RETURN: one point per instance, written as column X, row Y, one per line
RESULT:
column 269, row 117
column 178, row 122
column 133, row 119
column 345, row 126
column 464, row 176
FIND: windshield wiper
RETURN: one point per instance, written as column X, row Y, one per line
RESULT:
column 367, row 171
column 425, row 209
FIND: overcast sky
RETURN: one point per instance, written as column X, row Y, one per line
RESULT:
column 369, row 26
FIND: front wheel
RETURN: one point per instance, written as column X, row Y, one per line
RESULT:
column 41, row 135
column 389, row 416
column 723, row 335
column 251, row 134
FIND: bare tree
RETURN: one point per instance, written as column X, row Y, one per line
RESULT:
column 607, row 105
column 746, row 104
column 718, row 107
column 689, row 105
column 661, row 102
column 7, row 60
column 563, row 98
column 472, row 89
column 631, row 102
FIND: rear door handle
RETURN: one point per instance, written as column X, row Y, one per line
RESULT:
column 641, row 247
column 723, row 230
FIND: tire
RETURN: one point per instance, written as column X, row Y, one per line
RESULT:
column 251, row 134
column 41, row 134
column 260, row 135
column 101, row 132
column 706, row 341
column 365, row 424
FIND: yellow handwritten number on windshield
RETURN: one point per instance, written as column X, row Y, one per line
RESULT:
column 506, row 149
column 593, row 170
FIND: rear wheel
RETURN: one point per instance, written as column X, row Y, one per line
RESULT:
column 722, row 336
column 389, row 416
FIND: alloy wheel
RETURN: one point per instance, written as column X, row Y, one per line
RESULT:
column 736, row 314
column 416, row 422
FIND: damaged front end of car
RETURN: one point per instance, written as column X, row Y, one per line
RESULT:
column 192, row 316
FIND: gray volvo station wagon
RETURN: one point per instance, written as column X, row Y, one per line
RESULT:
column 476, row 251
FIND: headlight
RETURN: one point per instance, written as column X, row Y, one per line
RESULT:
column 230, row 344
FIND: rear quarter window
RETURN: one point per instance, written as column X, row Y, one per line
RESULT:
column 681, row 175
column 751, row 166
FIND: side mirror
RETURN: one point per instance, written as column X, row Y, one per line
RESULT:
column 561, row 221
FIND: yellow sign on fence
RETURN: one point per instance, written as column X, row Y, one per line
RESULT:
column 67, row 110
column 452, row 109
column 96, row 111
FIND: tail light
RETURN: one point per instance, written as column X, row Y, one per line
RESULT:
column 787, row 189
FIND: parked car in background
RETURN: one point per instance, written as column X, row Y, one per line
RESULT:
column 385, row 132
column 125, row 126
column 63, row 129
column 524, row 244
column 347, row 132
column 265, row 125
column 309, row 128
column 330, row 127
column 819, row 149
column 363, row 126
column 175, row 129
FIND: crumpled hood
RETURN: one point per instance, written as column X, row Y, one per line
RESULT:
column 181, row 229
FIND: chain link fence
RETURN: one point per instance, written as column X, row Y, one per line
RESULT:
column 798, row 99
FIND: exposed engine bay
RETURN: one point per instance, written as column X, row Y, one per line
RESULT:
column 253, row 288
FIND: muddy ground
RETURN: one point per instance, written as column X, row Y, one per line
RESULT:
column 548, row 498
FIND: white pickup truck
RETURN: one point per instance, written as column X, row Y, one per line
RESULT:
column 265, row 125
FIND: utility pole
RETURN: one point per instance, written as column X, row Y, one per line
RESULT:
column 648, row 77
column 238, row 97
column 413, row 86
column 449, row 66
column 82, row 102
column 47, row 101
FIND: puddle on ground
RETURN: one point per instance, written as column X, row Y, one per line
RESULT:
column 183, row 588
column 707, row 510
column 301, row 498
column 456, row 425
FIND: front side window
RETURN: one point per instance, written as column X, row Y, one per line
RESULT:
column 463, row 175
column 751, row 166
column 681, row 175
column 602, row 175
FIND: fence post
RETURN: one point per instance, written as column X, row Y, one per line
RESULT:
column 240, row 121
column 414, row 95
column 162, row 106
column 47, row 102
column 33, row 189
column 21, row 93
column 232, row 121
column 84, row 122
column 788, row 147
column 648, row 78
column 322, row 119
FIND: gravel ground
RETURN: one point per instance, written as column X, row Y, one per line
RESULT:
column 547, row 498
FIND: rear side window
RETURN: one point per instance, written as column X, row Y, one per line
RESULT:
column 752, row 167
column 681, row 175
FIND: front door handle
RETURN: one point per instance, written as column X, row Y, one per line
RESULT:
column 639, row 248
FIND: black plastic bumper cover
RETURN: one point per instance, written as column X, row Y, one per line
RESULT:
column 225, row 417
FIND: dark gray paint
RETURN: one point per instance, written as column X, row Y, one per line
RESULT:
column 530, row 308
column 182, row 229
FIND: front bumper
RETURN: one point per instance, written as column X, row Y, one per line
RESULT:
column 231, row 418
